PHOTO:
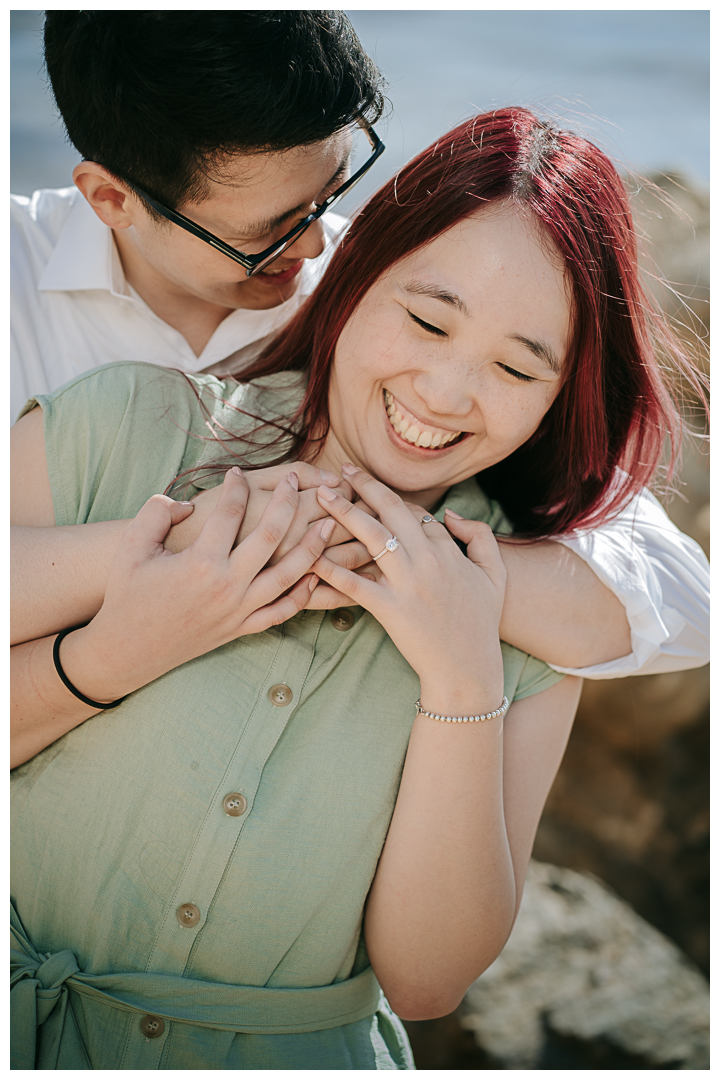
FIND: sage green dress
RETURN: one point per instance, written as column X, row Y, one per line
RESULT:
column 189, row 869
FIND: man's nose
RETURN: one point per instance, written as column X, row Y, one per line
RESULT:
column 309, row 245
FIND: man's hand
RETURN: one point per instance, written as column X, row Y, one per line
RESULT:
column 162, row 609
column 262, row 483
column 343, row 548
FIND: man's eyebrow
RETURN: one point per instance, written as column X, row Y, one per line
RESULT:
column 539, row 349
column 436, row 292
column 262, row 228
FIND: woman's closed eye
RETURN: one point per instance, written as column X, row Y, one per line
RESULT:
column 426, row 325
column 517, row 374
column 441, row 333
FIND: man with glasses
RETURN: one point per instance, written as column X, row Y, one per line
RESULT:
column 213, row 145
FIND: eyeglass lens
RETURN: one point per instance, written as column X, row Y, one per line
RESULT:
column 361, row 152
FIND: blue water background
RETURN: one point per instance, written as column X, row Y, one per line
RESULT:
column 636, row 82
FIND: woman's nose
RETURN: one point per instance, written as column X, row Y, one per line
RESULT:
column 447, row 393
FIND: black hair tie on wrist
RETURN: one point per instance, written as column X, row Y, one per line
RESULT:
column 68, row 684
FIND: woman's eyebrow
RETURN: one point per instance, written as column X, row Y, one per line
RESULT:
column 436, row 292
column 539, row 349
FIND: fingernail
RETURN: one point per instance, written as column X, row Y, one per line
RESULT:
column 329, row 477
column 293, row 480
column 238, row 472
column 454, row 515
column 313, row 582
column 327, row 529
column 348, row 467
column 327, row 493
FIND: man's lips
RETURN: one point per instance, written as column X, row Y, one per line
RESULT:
column 269, row 278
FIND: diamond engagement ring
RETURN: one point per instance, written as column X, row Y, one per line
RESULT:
column 390, row 545
column 426, row 519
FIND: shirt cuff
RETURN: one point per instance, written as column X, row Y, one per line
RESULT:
column 653, row 625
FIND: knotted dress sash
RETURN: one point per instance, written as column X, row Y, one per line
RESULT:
column 39, row 996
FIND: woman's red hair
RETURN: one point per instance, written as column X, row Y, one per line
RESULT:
column 614, row 410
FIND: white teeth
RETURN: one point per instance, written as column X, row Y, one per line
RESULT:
column 411, row 432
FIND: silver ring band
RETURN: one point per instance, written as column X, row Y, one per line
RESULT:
column 390, row 545
column 426, row 519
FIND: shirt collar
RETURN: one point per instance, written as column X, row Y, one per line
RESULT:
column 85, row 256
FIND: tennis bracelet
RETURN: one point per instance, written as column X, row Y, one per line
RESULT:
column 463, row 719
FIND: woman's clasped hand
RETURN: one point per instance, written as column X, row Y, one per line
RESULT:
column 209, row 594
column 440, row 608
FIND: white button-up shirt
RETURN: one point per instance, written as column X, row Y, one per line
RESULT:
column 72, row 310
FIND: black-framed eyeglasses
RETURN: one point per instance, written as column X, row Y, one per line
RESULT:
column 255, row 263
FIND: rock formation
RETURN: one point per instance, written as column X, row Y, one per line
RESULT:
column 585, row 983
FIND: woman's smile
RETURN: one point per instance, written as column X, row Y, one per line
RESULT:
column 413, row 434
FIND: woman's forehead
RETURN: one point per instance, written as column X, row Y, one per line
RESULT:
column 502, row 257
column 500, row 232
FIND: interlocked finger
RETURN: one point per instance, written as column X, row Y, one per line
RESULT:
column 351, row 555
column 371, row 532
column 255, row 550
column 276, row 580
column 220, row 531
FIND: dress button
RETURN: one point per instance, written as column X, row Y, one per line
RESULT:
column 152, row 1027
column 234, row 804
column 188, row 915
column 280, row 694
column 342, row 619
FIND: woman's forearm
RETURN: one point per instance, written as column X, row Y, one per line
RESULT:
column 451, row 875
column 443, row 899
column 58, row 575
column 41, row 708
column 558, row 610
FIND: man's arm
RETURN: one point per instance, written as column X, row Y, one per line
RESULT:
column 662, row 578
column 568, row 603
column 558, row 610
column 59, row 573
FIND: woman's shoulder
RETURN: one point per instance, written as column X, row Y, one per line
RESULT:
column 470, row 501
column 111, row 388
column 114, row 388
column 270, row 396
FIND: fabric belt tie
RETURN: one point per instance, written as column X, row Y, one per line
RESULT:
column 39, row 997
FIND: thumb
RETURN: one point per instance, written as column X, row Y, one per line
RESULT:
column 482, row 547
column 153, row 521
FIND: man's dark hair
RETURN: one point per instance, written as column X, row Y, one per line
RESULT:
column 157, row 97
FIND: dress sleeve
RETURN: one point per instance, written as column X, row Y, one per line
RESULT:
column 114, row 436
column 662, row 579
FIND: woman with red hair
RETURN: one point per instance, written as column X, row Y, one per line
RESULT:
column 274, row 811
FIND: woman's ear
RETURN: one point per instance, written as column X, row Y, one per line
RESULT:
column 110, row 199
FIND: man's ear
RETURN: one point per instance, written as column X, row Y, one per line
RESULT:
column 111, row 200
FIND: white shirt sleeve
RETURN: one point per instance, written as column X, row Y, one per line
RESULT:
column 662, row 579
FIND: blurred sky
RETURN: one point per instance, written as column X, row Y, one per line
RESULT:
column 636, row 82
